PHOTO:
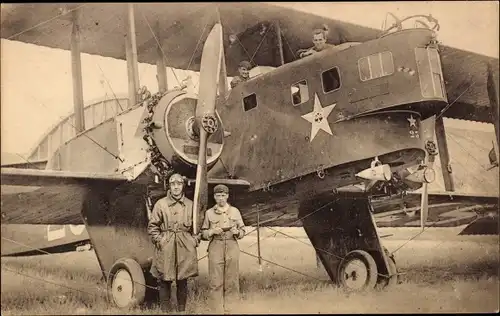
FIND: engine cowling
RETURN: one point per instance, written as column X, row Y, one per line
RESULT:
column 176, row 133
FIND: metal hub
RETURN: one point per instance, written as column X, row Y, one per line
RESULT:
column 209, row 123
column 356, row 274
column 123, row 288
column 431, row 148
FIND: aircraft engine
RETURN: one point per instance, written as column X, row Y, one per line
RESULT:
column 176, row 133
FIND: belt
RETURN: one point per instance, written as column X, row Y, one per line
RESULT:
column 174, row 230
column 224, row 236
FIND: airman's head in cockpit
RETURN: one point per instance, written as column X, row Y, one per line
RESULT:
column 244, row 69
column 319, row 39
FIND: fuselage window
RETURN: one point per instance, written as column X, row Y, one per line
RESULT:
column 375, row 66
column 429, row 72
column 330, row 80
column 249, row 102
column 300, row 92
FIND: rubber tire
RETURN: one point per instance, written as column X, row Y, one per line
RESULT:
column 370, row 264
column 138, row 279
column 384, row 282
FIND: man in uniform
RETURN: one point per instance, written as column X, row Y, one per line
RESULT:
column 170, row 229
column 319, row 41
column 244, row 70
column 222, row 226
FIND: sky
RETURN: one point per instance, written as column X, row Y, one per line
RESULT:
column 36, row 88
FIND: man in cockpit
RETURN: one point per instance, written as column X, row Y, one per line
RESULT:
column 319, row 41
column 244, row 73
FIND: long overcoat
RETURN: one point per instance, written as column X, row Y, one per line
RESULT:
column 170, row 229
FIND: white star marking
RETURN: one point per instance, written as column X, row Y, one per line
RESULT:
column 319, row 117
column 412, row 121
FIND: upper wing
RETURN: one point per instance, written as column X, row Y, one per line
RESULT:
column 47, row 196
column 465, row 75
column 182, row 26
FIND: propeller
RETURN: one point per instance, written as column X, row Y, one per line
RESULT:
column 206, row 122
column 427, row 135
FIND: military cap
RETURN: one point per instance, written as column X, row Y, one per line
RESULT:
column 220, row 188
column 245, row 64
column 176, row 178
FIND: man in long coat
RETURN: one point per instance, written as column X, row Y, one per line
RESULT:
column 170, row 229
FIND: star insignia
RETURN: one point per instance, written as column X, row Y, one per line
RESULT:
column 412, row 121
column 319, row 117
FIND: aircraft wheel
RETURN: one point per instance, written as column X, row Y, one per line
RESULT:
column 126, row 284
column 358, row 271
column 384, row 282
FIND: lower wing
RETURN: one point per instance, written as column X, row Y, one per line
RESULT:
column 32, row 196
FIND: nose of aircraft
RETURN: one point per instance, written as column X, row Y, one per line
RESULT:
column 177, row 135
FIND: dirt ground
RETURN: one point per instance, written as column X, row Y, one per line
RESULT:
column 443, row 273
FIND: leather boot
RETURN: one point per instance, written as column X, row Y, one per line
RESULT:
column 182, row 293
column 164, row 295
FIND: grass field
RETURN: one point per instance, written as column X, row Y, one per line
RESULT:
column 443, row 273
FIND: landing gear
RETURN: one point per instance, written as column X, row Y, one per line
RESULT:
column 346, row 241
column 358, row 271
column 392, row 278
column 126, row 284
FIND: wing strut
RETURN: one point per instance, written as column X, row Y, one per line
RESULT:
column 444, row 155
column 277, row 28
column 131, row 55
column 492, row 86
column 161, row 70
column 428, row 129
column 76, row 72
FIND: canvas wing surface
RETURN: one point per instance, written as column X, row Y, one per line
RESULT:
column 48, row 196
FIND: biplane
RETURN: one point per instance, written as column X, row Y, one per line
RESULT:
column 308, row 140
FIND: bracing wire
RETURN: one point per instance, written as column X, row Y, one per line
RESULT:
column 481, row 182
column 466, row 151
column 258, row 46
column 421, row 232
column 49, row 282
column 109, row 85
column 281, row 266
column 85, row 134
column 102, row 72
column 289, row 47
column 45, row 252
column 469, row 139
column 198, row 42
column 239, row 42
column 449, row 105
column 29, row 162
column 270, row 235
column 159, row 45
column 46, row 21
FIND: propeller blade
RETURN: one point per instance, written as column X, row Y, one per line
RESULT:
column 424, row 206
column 427, row 128
column 206, row 121
column 223, row 76
column 210, row 69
